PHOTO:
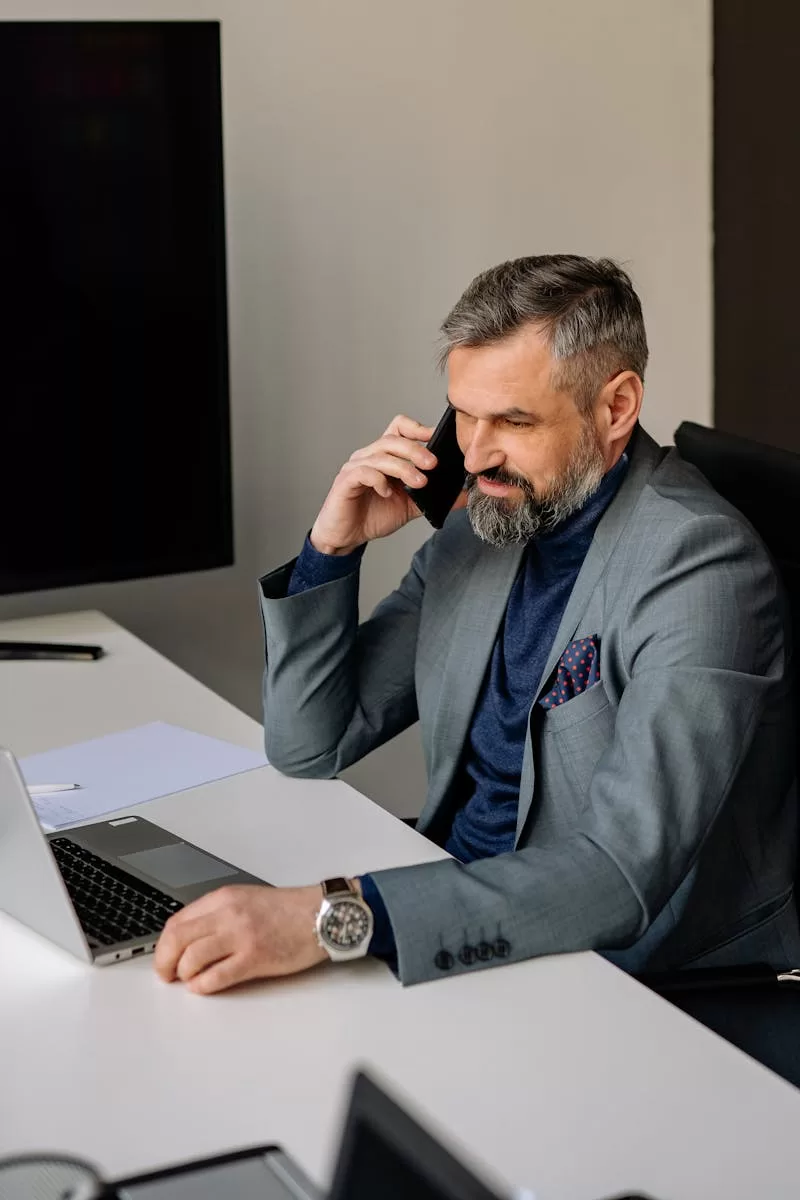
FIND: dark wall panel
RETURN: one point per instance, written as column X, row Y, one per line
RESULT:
column 757, row 219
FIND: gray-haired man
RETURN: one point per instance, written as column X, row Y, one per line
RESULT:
column 594, row 650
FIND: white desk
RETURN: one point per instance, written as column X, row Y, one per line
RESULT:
column 561, row 1073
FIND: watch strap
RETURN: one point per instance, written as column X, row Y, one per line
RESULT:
column 337, row 887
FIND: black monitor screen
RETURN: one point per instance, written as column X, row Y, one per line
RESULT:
column 379, row 1170
column 115, row 446
column 386, row 1153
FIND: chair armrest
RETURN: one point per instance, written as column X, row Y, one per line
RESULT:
column 755, row 975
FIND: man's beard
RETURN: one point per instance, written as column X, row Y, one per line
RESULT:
column 505, row 522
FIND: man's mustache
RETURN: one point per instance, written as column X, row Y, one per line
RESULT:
column 500, row 475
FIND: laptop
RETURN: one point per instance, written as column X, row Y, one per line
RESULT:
column 102, row 891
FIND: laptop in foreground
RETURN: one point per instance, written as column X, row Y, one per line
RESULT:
column 102, row 891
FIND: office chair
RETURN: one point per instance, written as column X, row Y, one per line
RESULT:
column 763, row 483
column 745, row 1005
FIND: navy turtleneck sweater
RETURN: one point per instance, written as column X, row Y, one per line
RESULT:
column 486, row 817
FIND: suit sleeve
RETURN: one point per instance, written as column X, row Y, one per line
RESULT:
column 333, row 689
column 704, row 655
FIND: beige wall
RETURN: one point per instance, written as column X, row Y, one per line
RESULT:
column 377, row 156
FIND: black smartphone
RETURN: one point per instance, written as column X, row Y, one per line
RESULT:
column 436, row 497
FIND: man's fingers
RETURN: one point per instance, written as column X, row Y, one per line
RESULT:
column 205, row 906
column 360, row 475
column 390, row 466
column 201, row 954
column 224, row 974
column 178, row 933
column 400, row 448
column 409, row 428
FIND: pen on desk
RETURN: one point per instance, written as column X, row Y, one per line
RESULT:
column 44, row 789
column 63, row 651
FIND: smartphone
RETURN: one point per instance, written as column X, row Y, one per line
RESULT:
column 436, row 497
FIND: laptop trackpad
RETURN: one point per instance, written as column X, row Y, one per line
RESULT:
column 179, row 865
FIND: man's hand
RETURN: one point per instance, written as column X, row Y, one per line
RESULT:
column 367, row 499
column 242, row 932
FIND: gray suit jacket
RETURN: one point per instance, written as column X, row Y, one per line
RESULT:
column 656, row 810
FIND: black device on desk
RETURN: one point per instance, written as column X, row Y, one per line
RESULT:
column 49, row 651
column 435, row 498
column 385, row 1154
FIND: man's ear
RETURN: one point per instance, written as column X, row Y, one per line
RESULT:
column 619, row 405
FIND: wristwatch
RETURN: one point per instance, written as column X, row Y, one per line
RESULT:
column 344, row 922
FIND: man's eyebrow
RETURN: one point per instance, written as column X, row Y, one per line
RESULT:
column 507, row 413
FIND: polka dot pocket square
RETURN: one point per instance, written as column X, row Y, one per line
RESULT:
column 578, row 669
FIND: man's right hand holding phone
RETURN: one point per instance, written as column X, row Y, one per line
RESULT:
column 368, row 499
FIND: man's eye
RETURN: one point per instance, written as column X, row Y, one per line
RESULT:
column 517, row 424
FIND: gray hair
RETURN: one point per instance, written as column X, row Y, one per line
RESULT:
column 586, row 307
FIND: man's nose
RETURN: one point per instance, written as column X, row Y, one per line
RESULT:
column 481, row 454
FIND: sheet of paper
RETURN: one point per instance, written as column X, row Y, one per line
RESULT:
column 123, row 769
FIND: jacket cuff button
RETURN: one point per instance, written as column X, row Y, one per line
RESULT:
column 444, row 960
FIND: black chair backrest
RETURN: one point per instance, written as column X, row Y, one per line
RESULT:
column 763, row 482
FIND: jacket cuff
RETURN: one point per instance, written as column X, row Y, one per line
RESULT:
column 382, row 944
column 312, row 568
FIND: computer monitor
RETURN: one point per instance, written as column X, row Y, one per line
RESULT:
column 384, row 1152
column 115, row 442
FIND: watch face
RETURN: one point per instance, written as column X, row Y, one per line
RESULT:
column 345, row 926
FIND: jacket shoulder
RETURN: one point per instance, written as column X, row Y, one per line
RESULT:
column 679, row 496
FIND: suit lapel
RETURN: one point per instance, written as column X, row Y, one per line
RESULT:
column 644, row 455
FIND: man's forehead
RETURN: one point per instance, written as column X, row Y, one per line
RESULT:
column 510, row 375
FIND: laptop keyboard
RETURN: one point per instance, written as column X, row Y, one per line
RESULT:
column 112, row 905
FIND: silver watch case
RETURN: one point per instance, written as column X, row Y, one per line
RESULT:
column 343, row 953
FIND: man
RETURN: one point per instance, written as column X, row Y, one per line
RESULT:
column 594, row 649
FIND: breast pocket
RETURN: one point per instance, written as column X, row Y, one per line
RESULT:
column 572, row 738
column 580, row 708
